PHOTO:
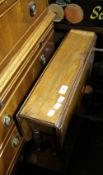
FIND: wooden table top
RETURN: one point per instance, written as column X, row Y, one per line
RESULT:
column 48, row 97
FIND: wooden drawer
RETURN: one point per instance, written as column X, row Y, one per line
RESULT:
column 25, row 81
column 49, row 106
column 16, row 24
column 11, row 73
column 10, row 152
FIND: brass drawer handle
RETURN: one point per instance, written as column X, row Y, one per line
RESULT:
column 42, row 60
column 7, row 120
column 15, row 141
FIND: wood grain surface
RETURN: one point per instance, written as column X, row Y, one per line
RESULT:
column 10, row 153
column 25, row 82
column 16, row 25
column 4, row 5
column 19, row 59
column 57, row 91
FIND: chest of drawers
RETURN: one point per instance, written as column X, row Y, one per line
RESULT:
column 17, row 23
column 28, row 45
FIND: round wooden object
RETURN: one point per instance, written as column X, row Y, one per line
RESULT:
column 58, row 10
column 74, row 13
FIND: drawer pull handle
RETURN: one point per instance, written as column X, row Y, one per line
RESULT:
column 42, row 60
column 7, row 120
column 32, row 7
column 15, row 141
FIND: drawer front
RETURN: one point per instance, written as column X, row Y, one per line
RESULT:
column 23, row 66
column 27, row 79
column 45, row 54
column 6, row 125
column 17, row 22
column 10, row 152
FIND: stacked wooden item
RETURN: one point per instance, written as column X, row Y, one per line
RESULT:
column 26, row 44
column 49, row 107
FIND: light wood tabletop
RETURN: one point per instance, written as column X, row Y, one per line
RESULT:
column 48, row 98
